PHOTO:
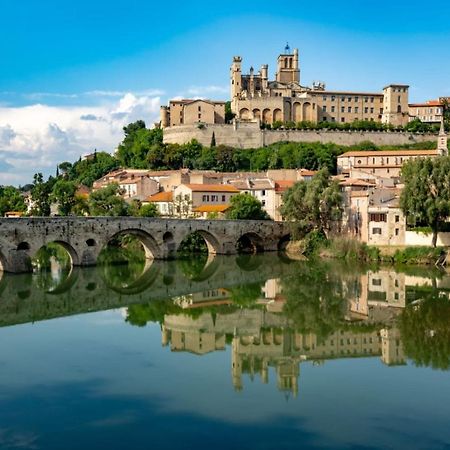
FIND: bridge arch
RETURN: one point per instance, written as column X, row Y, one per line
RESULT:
column 283, row 242
column 211, row 241
column 151, row 247
column 250, row 242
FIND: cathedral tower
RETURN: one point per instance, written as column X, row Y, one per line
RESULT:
column 288, row 70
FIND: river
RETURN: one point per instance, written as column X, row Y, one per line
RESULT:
column 247, row 352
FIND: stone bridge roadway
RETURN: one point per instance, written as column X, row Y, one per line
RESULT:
column 84, row 237
column 23, row 298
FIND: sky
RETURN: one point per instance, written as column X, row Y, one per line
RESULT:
column 72, row 74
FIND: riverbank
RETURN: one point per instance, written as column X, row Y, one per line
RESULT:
column 353, row 250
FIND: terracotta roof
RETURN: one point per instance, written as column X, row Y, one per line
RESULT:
column 390, row 153
column 307, row 173
column 211, row 208
column 428, row 103
column 281, row 186
column 161, row 197
column 211, row 188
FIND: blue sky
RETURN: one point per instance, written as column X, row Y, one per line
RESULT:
column 115, row 61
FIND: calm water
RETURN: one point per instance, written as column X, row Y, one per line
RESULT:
column 254, row 352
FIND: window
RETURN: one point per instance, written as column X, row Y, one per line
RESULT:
column 349, row 109
column 324, row 98
column 214, row 198
column 376, row 230
column 342, row 99
column 263, row 192
column 342, row 109
column 397, row 219
column 349, row 99
column 333, row 108
column 366, row 99
column 263, row 203
column 376, row 281
column 324, row 108
column 356, row 99
column 205, row 198
column 371, row 110
column 371, row 99
column 333, row 119
column 333, row 98
column 356, row 109
column 377, row 217
column 199, row 115
column 366, row 109
column 342, row 119
column 397, row 231
column 199, row 109
column 381, row 110
column 396, row 296
column 223, row 198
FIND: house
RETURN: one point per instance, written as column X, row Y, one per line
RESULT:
column 163, row 202
column 133, row 183
column 260, row 188
column 187, row 197
column 381, row 163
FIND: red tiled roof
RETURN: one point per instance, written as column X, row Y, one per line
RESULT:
column 211, row 208
column 281, row 186
column 161, row 197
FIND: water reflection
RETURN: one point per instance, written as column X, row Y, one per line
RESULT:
column 271, row 312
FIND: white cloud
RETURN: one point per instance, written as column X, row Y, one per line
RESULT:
column 35, row 138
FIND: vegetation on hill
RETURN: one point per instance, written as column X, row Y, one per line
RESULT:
column 144, row 148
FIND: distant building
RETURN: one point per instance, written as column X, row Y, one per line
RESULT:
column 285, row 99
column 429, row 112
column 380, row 163
column 189, row 111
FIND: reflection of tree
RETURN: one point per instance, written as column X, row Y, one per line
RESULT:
column 314, row 299
column 192, row 267
column 425, row 332
column 246, row 295
column 121, row 266
column 52, row 266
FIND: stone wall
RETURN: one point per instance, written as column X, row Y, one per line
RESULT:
column 249, row 135
column 412, row 238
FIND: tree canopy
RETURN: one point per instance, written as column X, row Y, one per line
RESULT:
column 246, row 207
column 11, row 199
column 107, row 202
column 312, row 205
column 425, row 199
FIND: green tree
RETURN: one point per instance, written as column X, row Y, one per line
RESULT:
column 229, row 115
column 41, row 195
column 86, row 171
column 11, row 199
column 425, row 199
column 64, row 195
column 246, row 207
column 107, row 202
column 138, row 141
column 425, row 332
column 312, row 206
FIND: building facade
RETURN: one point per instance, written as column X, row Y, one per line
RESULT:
column 285, row 99
column 188, row 112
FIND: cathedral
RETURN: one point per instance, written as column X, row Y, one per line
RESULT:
column 285, row 99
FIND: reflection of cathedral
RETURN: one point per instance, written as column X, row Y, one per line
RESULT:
column 264, row 338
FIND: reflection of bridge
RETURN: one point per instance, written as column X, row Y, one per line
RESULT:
column 88, row 290
column 84, row 237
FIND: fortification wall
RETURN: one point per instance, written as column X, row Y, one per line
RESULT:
column 249, row 135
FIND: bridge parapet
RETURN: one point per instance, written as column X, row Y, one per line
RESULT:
column 85, row 237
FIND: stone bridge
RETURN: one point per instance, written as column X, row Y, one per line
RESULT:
column 85, row 237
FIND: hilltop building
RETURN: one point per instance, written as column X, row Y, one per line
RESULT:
column 285, row 99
